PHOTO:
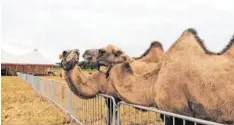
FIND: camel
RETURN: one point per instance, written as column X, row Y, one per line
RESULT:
column 188, row 81
column 89, row 86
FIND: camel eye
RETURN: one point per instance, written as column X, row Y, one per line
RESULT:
column 118, row 53
column 101, row 51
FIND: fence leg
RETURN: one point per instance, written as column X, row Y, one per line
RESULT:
column 39, row 88
column 33, row 80
column 52, row 92
column 118, row 114
column 70, row 105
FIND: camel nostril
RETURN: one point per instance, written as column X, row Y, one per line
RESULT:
column 124, row 58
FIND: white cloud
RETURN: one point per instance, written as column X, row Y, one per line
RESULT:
column 54, row 25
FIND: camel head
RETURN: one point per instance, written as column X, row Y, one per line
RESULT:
column 69, row 59
column 106, row 56
column 91, row 55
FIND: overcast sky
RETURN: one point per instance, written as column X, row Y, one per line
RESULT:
column 54, row 25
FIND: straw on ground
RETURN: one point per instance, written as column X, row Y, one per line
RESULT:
column 23, row 106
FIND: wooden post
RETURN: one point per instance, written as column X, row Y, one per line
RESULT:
column 6, row 70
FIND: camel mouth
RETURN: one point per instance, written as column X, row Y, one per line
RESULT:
column 102, row 62
column 87, row 57
column 67, row 66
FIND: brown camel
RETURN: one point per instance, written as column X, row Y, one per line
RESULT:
column 83, row 85
column 90, row 86
column 190, row 80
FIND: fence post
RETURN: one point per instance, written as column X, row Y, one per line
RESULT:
column 70, row 104
column 39, row 87
column 52, row 91
column 33, row 80
column 118, row 113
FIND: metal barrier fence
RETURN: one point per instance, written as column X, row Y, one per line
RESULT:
column 151, row 116
column 95, row 111
column 83, row 111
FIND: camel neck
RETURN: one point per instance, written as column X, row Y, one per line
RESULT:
column 131, row 88
column 79, row 84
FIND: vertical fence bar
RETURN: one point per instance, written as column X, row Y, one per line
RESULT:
column 129, row 113
column 155, row 118
column 52, row 91
column 92, row 111
column 134, row 115
column 70, row 103
column 95, row 112
column 147, row 117
column 39, row 86
column 141, row 116
column 86, row 110
column 173, row 120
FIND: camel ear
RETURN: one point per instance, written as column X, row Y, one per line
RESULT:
column 127, row 67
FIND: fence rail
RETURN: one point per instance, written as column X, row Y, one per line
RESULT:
column 96, row 111
column 83, row 111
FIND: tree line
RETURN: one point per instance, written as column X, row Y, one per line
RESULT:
column 83, row 65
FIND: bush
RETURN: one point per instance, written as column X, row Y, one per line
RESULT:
column 87, row 65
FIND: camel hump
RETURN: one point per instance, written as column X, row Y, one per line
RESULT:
column 229, row 46
column 196, row 36
column 199, row 41
column 156, row 44
column 232, row 40
column 192, row 31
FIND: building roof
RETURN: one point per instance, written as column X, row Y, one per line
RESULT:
column 31, row 58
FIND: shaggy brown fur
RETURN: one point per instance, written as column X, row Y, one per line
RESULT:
column 154, row 44
column 229, row 49
column 153, row 54
column 199, row 41
column 189, row 81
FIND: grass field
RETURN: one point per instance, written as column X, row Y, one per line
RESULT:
column 23, row 106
